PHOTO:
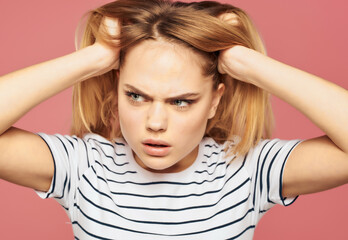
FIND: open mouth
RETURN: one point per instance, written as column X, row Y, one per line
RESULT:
column 156, row 145
column 156, row 148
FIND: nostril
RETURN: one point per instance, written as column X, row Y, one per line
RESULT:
column 155, row 129
column 156, row 126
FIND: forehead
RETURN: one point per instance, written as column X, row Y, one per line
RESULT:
column 165, row 66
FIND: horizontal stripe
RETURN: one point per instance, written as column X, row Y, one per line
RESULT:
column 112, row 158
column 181, row 196
column 161, row 234
column 167, row 182
column 213, row 153
column 217, row 227
column 210, row 146
column 177, row 196
column 178, row 183
column 212, row 172
column 181, row 222
column 103, row 143
column 237, row 236
column 120, row 144
column 156, row 209
column 118, row 173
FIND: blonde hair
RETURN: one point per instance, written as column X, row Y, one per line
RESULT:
column 244, row 109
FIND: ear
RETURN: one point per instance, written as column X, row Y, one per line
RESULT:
column 216, row 100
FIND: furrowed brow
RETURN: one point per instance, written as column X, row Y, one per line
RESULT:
column 134, row 89
column 181, row 96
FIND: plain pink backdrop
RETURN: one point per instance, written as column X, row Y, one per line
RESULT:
column 310, row 35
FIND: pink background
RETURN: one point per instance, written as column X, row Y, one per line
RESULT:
column 310, row 35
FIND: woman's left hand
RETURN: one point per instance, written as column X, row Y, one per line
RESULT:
column 232, row 62
column 316, row 164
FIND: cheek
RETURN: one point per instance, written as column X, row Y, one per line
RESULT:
column 194, row 123
column 128, row 118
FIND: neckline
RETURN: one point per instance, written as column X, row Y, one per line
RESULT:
column 176, row 175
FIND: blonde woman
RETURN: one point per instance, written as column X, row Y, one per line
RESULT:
column 172, row 120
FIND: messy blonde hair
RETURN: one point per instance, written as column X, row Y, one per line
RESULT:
column 244, row 109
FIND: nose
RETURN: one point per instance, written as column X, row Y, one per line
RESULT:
column 156, row 118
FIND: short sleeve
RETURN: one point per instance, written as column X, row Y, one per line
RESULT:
column 265, row 164
column 70, row 156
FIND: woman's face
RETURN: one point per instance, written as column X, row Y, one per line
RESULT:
column 164, row 104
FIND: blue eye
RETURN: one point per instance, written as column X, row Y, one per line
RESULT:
column 135, row 97
column 181, row 103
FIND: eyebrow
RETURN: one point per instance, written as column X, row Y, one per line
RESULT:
column 181, row 96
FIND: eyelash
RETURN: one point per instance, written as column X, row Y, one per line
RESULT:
column 188, row 102
column 130, row 96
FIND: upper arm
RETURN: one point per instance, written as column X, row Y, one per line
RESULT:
column 25, row 159
column 314, row 165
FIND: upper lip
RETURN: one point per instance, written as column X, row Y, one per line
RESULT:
column 155, row 142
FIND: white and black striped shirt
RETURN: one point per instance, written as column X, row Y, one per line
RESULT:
column 107, row 195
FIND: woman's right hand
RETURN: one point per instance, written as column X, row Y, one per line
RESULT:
column 31, row 164
column 108, row 55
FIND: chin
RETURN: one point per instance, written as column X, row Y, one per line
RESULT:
column 157, row 165
column 154, row 163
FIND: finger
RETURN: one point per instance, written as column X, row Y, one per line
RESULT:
column 111, row 26
column 221, row 69
column 230, row 18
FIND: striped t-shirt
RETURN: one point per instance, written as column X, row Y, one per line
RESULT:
column 107, row 195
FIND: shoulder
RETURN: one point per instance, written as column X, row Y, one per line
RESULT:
column 89, row 146
column 105, row 147
column 264, row 151
column 274, row 147
column 96, row 140
column 269, row 153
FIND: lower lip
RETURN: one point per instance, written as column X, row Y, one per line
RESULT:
column 156, row 151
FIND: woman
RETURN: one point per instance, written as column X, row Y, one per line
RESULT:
column 173, row 88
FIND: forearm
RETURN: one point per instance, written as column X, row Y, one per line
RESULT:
column 22, row 90
column 323, row 102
